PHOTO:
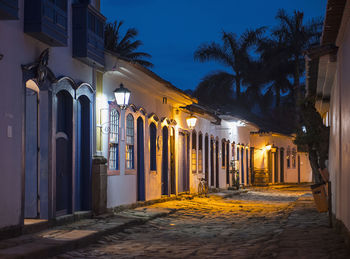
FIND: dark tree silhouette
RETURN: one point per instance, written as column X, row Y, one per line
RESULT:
column 125, row 45
column 233, row 53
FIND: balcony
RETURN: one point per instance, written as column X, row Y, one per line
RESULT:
column 8, row 9
column 88, row 34
column 46, row 20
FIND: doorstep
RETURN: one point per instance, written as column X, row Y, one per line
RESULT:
column 78, row 234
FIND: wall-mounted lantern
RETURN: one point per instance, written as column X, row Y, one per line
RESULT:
column 122, row 96
column 191, row 121
column 268, row 147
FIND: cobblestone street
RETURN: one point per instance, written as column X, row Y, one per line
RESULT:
column 260, row 223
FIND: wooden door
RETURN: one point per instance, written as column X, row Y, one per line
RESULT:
column 64, row 153
column 31, row 208
column 140, row 161
column 165, row 162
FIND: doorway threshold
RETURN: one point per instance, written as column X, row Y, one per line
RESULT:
column 34, row 225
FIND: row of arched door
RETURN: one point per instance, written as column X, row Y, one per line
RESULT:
column 58, row 137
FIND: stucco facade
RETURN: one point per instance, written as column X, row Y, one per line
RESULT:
column 18, row 49
column 331, row 61
column 153, row 101
column 278, row 155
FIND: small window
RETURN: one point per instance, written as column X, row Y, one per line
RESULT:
column 200, row 153
column 130, row 142
column 194, row 152
column 294, row 155
column 288, row 157
column 223, row 153
column 113, row 161
column 153, row 146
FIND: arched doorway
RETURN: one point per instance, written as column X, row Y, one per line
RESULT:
column 165, row 162
column 206, row 158
column 32, row 175
column 282, row 165
column 83, row 172
column 183, row 176
column 212, row 181
column 64, row 131
column 140, row 161
column 247, row 165
column 242, row 164
column 217, row 164
column 228, row 163
column 172, row 162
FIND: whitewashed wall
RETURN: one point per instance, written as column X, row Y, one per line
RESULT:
column 18, row 49
column 148, row 93
column 259, row 141
column 339, row 148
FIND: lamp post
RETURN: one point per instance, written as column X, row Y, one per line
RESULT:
column 122, row 96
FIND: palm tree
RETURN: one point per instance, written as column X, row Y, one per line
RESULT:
column 215, row 89
column 277, row 67
column 298, row 36
column 233, row 53
column 125, row 45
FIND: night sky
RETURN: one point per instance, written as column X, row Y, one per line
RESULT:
column 171, row 30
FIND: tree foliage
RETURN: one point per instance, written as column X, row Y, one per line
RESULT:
column 125, row 45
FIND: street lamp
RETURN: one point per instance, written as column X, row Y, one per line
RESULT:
column 122, row 96
column 191, row 121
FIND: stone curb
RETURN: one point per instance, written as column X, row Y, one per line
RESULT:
column 43, row 248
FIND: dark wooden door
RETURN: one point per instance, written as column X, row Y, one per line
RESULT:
column 228, row 163
column 247, row 165
column 242, row 165
column 140, row 161
column 282, row 165
column 212, row 162
column 31, row 156
column 64, row 153
column 206, row 157
column 83, row 173
column 276, row 165
column 298, row 169
column 217, row 164
column 172, row 162
column 165, row 162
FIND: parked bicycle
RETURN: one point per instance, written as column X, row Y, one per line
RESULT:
column 203, row 186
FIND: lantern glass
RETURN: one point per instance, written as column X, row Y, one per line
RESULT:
column 191, row 121
column 122, row 96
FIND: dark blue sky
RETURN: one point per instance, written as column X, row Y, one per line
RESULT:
column 171, row 30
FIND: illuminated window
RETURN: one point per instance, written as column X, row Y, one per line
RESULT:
column 288, row 157
column 153, row 146
column 194, row 152
column 113, row 161
column 294, row 155
column 200, row 153
column 130, row 142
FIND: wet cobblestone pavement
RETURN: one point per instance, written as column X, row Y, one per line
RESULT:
column 261, row 223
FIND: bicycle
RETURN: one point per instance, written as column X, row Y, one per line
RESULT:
column 203, row 186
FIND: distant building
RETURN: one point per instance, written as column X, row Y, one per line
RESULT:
column 277, row 160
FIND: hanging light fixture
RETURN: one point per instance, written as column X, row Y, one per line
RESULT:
column 122, row 96
column 191, row 121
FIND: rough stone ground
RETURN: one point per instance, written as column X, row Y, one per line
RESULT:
column 279, row 222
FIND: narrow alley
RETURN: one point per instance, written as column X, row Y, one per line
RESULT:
column 279, row 222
